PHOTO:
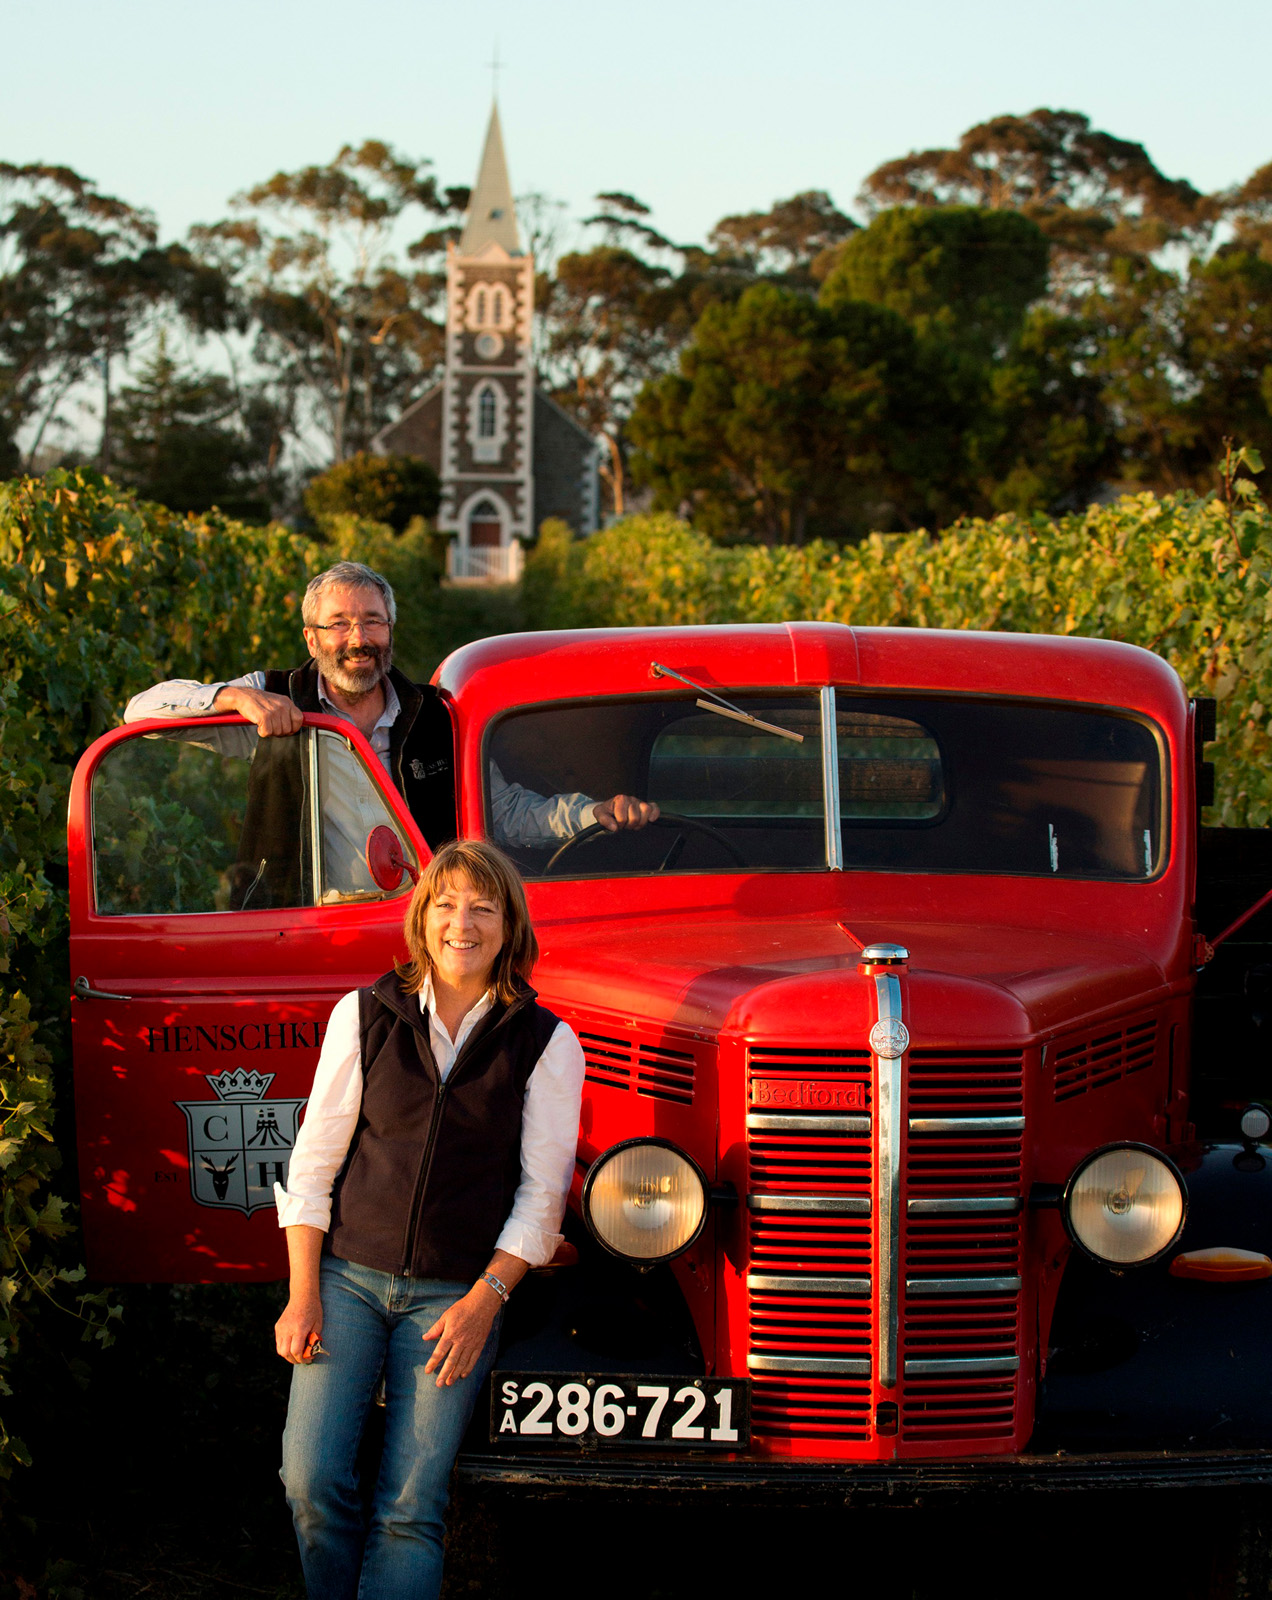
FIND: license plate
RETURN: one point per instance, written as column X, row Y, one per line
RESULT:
column 626, row 1409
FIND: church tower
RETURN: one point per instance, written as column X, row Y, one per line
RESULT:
column 488, row 399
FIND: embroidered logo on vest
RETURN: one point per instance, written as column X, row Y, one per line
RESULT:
column 417, row 769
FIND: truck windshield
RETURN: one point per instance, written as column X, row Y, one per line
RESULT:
column 924, row 783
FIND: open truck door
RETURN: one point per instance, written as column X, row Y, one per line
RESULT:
column 221, row 902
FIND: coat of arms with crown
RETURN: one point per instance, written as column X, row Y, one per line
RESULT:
column 240, row 1143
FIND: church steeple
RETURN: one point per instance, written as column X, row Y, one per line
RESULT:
column 492, row 216
column 488, row 389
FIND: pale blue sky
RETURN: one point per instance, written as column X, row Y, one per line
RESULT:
column 701, row 108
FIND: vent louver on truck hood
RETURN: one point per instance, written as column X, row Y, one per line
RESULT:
column 651, row 1068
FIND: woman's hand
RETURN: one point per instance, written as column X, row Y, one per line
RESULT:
column 297, row 1331
column 461, row 1333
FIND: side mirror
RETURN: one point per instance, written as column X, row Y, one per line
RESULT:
column 386, row 859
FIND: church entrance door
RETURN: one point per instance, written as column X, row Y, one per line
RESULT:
column 485, row 531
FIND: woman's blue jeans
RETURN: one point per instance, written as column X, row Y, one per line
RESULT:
column 373, row 1323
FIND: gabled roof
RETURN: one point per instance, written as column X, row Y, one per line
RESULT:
column 542, row 397
column 380, row 445
column 492, row 216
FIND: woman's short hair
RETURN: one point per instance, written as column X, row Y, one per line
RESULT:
column 346, row 575
column 489, row 872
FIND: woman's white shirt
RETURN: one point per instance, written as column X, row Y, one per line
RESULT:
column 549, row 1127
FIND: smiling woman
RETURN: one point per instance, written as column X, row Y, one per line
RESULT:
column 430, row 1174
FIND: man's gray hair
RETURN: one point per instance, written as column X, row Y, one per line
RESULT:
column 346, row 575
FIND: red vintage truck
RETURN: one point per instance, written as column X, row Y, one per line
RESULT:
column 889, row 1164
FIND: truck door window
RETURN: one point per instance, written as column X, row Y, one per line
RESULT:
column 211, row 820
column 349, row 807
column 751, row 796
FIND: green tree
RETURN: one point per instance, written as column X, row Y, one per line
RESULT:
column 1248, row 210
column 344, row 329
column 1185, row 359
column 964, row 274
column 389, row 489
column 616, row 316
column 788, row 418
column 1093, row 195
column 789, row 242
column 81, row 276
column 606, row 334
column 180, row 441
column 971, row 284
column 1226, row 340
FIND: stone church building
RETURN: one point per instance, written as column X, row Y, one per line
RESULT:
column 507, row 455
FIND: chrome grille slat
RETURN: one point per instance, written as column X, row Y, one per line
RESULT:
column 963, row 1205
column 831, row 1205
column 962, row 1286
column 782, row 1122
column 800, row 1283
column 849, row 1366
column 956, row 1366
column 967, row 1125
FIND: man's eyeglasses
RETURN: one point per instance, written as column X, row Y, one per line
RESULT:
column 342, row 627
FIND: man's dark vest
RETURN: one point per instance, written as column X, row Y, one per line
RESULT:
column 421, row 745
column 433, row 1167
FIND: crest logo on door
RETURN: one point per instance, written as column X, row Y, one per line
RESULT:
column 239, row 1144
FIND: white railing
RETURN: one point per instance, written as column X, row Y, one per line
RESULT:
column 484, row 563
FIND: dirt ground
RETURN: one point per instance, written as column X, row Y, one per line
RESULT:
column 156, row 1475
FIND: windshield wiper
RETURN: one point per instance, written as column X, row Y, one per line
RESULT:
column 721, row 706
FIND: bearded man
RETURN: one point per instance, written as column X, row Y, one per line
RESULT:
column 348, row 614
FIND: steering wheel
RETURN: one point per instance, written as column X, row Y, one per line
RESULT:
column 669, row 819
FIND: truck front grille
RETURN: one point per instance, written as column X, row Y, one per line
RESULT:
column 821, row 1162
column 968, row 1408
column 813, row 1244
column 810, row 1408
column 966, row 1122
column 811, row 1265
column 825, row 1327
column 960, row 1330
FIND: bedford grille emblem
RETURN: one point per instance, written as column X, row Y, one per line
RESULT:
column 889, row 1038
column 240, row 1143
column 808, row 1094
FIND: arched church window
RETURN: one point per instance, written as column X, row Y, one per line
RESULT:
column 486, row 414
column 481, row 307
column 497, row 307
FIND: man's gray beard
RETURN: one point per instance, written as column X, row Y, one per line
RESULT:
column 339, row 676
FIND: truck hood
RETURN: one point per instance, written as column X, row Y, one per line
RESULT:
column 969, row 984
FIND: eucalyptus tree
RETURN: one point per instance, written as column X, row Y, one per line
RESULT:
column 342, row 325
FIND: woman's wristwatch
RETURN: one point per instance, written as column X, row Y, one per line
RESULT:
column 500, row 1288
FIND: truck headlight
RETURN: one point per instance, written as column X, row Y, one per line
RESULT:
column 645, row 1200
column 1125, row 1204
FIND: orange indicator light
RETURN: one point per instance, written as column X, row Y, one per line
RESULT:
column 1222, row 1264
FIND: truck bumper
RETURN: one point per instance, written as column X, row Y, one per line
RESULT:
column 893, row 1482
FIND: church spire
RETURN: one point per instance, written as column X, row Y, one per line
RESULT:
column 492, row 217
